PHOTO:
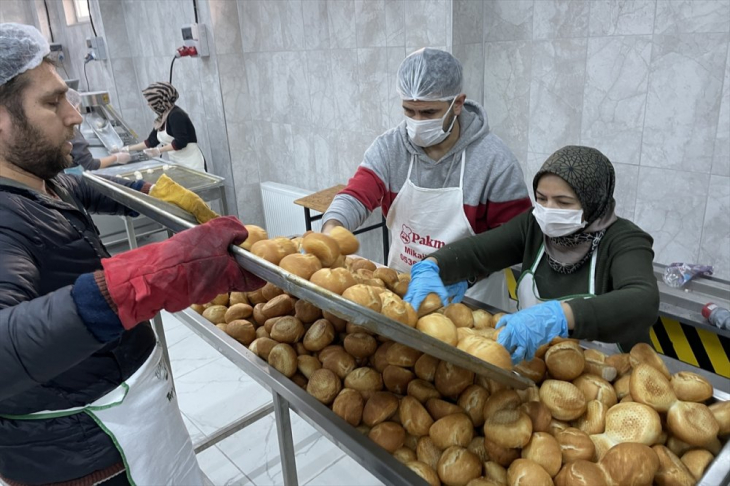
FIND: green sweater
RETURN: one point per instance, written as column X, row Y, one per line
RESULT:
column 627, row 297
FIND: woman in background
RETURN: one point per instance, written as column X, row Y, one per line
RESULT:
column 173, row 131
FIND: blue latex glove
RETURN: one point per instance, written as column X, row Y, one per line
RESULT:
column 425, row 279
column 528, row 329
column 456, row 291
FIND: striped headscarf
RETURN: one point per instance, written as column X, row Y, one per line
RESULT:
column 161, row 97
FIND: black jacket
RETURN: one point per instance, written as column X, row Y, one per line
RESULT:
column 48, row 358
column 180, row 128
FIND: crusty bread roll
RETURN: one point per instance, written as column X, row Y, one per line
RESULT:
column 262, row 332
column 600, row 369
column 256, row 297
column 387, row 275
column 430, row 304
column 721, row 412
column 270, row 250
column 557, row 426
column 337, row 322
column 379, row 360
column 633, row 422
column 396, row 379
column 422, row 390
column 452, row 430
column 405, row 454
column 216, row 314
column 501, row 455
column 238, row 311
column 593, row 421
column 524, row 472
column 472, row 400
column 300, row 381
column 575, row 445
column 439, row 327
column 487, row 350
column 262, row 346
column 255, row 233
column 336, row 280
column 307, row 365
column 284, row 359
column 381, row 406
column 441, row 408
column 648, row 385
column 319, row 335
column 340, row 363
column 238, row 298
column 401, row 355
column 281, row 305
column 697, row 461
column 414, row 417
column 388, row 435
column 529, row 394
column 242, row 331
column 508, row 428
column 346, row 241
column 476, row 447
column 501, row 400
column 306, row 311
column 534, row 369
column 580, row 473
column 426, row 472
column 323, row 247
column 621, row 386
column 362, row 263
column 672, row 471
column 545, row 451
column 395, row 308
column 360, row 345
column 495, row 472
column 287, row 329
column 363, row 295
column 644, row 353
column 425, row 367
column 482, row 319
column 630, row 463
column 451, row 380
column 459, row 314
column 691, row 387
column 301, row 264
column 622, row 362
column 539, row 415
column 565, row 400
column 364, row 380
column 324, row 385
column 565, row 361
column 457, row 466
column 596, row 388
column 693, row 423
column 427, row 452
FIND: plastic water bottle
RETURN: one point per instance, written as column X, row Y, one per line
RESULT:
column 718, row 316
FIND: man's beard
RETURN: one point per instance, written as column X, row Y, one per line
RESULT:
column 30, row 152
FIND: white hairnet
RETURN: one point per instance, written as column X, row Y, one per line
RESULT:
column 429, row 75
column 74, row 98
column 22, row 47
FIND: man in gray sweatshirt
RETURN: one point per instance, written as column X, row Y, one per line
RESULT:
column 439, row 176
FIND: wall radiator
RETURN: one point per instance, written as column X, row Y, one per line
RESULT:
column 282, row 216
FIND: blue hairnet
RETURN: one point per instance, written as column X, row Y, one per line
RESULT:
column 22, row 47
column 429, row 75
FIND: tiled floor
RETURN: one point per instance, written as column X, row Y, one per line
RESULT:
column 212, row 393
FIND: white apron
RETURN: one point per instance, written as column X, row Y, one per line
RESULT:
column 528, row 294
column 190, row 156
column 422, row 220
column 143, row 420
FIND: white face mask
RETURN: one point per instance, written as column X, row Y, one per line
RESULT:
column 426, row 133
column 558, row 222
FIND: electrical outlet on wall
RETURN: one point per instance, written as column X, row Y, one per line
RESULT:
column 57, row 52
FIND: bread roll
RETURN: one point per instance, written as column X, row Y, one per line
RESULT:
column 262, row 347
column 430, row 304
column 363, row 295
column 633, row 422
column 270, row 323
column 411, row 440
column 557, row 426
column 256, row 297
column 427, row 452
column 221, row 299
column 238, row 298
column 238, row 311
column 621, row 386
column 324, row 385
column 692, row 423
column 216, row 314
column 258, row 317
column 425, row 367
column 198, row 308
column 489, row 351
column 281, row 305
column 630, row 463
column 482, row 319
column 524, row 472
column 501, row 400
column 381, row 406
column 396, row 379
column 508, row 428
column 414, row 417
column 441, row 408
column 697, row 461
column 672, row 471
column 426, row 472
column 600, row 369
column 284, row 359
column 379, row 360
column 452, row 430
column 301, row 264
column 691, row 387
column 270, row 251
column 395, row 308
column 501, row 455
column 323, row 247
column 457, row 466
column 388, row 435
column 593, row 421
column 459, row 314
column 336, row 280
column 622, row 363
column 534, row 369
column 721, row 412
column 565, row 361
column 364, row 380
column 580, row 473
column 255, row 233
column 262, row 332
column 472, row 400
column 341, row 363
column 451, row 380
column 337, row 322
column 242, row 331
column 476, row 447
column 308, row 365
column 319, row 335
column 300, row 381
column 644, row 353
column 401, row 355
column 362, row 263
column 545, row 451
column 575, row 445
column 223, row 326
column 422, row 390
column 439, row 327
column 346, row 241
column 565, row 400
column 360, row 345
column 596, row 388
column 495, row 472
column 288, row 329
column 539, row 415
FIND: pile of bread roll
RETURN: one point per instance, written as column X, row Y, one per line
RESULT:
column 591, row 419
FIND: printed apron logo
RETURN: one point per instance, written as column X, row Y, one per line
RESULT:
column 412, row 256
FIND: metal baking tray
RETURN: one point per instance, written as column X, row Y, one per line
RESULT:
column 152, row 169
column 176, row 219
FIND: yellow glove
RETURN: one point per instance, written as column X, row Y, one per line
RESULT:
column 170, row 191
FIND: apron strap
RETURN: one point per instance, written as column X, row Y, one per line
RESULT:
column 540, row 253
column 410, row 167
column 592, row 276
column 463, row 164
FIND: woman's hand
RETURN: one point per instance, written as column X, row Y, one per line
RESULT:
column 525, row 331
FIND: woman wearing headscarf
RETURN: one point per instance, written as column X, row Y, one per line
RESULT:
column 586, row 273
column 173, row 132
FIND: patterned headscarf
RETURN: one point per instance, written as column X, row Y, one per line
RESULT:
column 591, row 175
column 161, row 98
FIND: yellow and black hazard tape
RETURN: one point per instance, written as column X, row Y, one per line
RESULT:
column 675, row 339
